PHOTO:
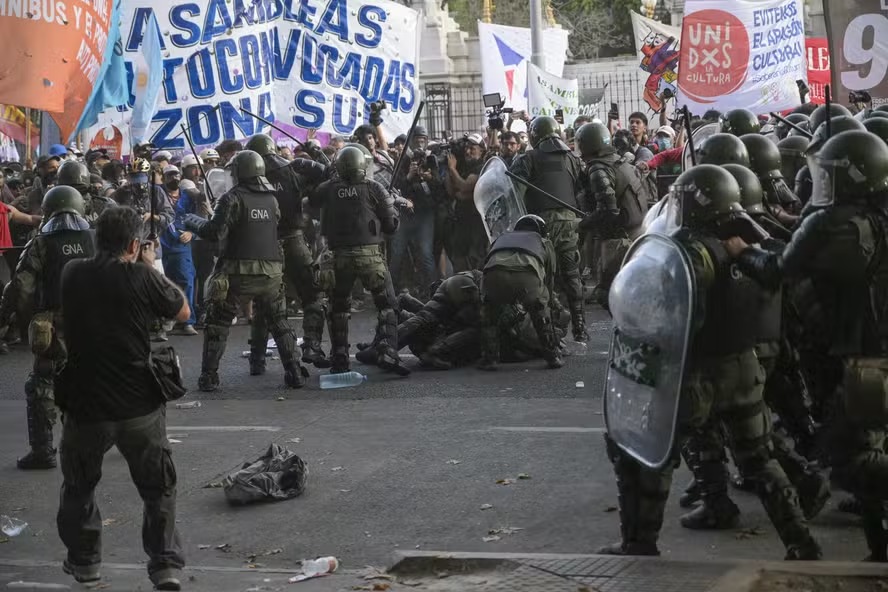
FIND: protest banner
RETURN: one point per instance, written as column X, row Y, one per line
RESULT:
column 818, row 68
column 14, row 123
column 547, row 93
column 657, row 46
column 505, row 53
column 313, row 64
column 741, row 53
column 858, row 44
column 55, row 54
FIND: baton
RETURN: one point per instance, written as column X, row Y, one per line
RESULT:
column 690, row 133
column 410, row 133
column 152, row 236
column 321, row 156
column 199, row 165
column 205, row 115
column 783, row 120
column 828, row 112
column 530, row 185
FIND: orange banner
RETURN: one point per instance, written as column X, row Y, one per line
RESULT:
column 13, row 123
column 54, row 51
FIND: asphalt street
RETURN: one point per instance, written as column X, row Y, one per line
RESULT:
column 395, row 464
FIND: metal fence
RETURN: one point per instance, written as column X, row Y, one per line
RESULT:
column 459, row 109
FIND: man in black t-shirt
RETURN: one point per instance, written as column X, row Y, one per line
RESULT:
column 110, row 397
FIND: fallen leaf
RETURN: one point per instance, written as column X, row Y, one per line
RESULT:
column 273, row 552
column 336, row 469
column 523, row 476
column 381, row 586
column 490, row 539
column 213, row 485
column 108, row 521
column 486, row 506
column 453, row 461
column 282, row 398
column 504, row 481
column 202, row 547
column 611, row 509
column 224, row 547
column 294, row 440
column 748, row 533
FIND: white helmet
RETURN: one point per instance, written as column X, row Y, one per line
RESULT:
column 209, row 154
column 190, row 160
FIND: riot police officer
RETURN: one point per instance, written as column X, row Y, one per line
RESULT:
column 765, row 162
column 614, row 196
column 64, row 236
column 552, row 167
column 720, row 149
column 76, row 175
column 843, row 247
column 519, row 269
column 357, row 212
column 804, row 185
column 722, row 379
column 739, row 122
column 291, row 180
column 250, row 266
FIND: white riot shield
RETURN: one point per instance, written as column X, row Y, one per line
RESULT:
column 499, row 202
column 652, row 300
column 700, row 134
column 664, row 217
column 220, row 182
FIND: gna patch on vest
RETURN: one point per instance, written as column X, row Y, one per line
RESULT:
column 344, row 192
column 259, row 214
column 72, row 249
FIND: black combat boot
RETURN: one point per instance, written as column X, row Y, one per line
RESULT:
column 42, row 454
column 489, row 348
column 717, row 512
column 638, row 532
column 208, row 381
column 433, row 361
column 367, row 356
column 814, row 492
column 691, row 495
column 545, row 330
column 389, row 360
column 873, row 520
column 257, row 356
column 850, row 505
column 295, row 375
column 312, row 353
column 313, row 326
column 808, row 550
column 339, row 337
column 339, row 363
column 578, row 323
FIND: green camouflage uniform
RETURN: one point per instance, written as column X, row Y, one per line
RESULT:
column 722, row 385
column 36, row 287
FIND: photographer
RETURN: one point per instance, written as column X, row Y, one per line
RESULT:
column 466, row 241
column 421, row 186
column 110, row 396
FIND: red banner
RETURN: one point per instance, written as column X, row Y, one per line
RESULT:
column 818, row 68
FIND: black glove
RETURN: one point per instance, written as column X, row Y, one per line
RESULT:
column 375, row 119
column 194, row 223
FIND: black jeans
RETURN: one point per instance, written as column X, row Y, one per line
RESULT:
column 142, row 442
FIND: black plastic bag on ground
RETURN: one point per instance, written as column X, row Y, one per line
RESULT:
column 278, row 474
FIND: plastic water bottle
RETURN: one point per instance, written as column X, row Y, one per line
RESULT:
column 346, row 379
column 12, row 526
column 319, row 566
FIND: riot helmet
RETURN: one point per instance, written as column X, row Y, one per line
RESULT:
column 593, row 139
column 707, row 192
column 878, row 126
column 764, row 156
column 261, row 144
column 74, row 174
column 62, row 199
column 533, row 223
column 792, row 156
column 877, row 115
column 820, row 114
column 782, row 130
column 752, row 196
column 850, row 166
column 739, row 122
column 543, row 128
column 837, row 125
column 246, row 166
column 351, row 164
column 720, row 149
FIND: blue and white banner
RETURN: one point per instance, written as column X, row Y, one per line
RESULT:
column 310, row 64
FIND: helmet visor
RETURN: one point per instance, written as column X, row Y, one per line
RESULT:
column 823, row 178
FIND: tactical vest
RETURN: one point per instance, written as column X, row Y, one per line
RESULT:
column 873, row 314
column 770, row 316
column 61, row 247
column 733, row 306
column 348, row 218
column 632, row 195
column 254, row 237
column 551, row 173
column 518, row 240
column 288, row 191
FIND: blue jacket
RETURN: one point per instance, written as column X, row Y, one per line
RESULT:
column 169, row 238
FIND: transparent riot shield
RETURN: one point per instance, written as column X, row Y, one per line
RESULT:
column 700, row 134
column 499, row 202
column 220, row 181
column 652, row 300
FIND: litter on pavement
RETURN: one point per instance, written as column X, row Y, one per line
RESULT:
column 278, row 474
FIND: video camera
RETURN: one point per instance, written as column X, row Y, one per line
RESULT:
column 494, row 102
column 859, row 96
